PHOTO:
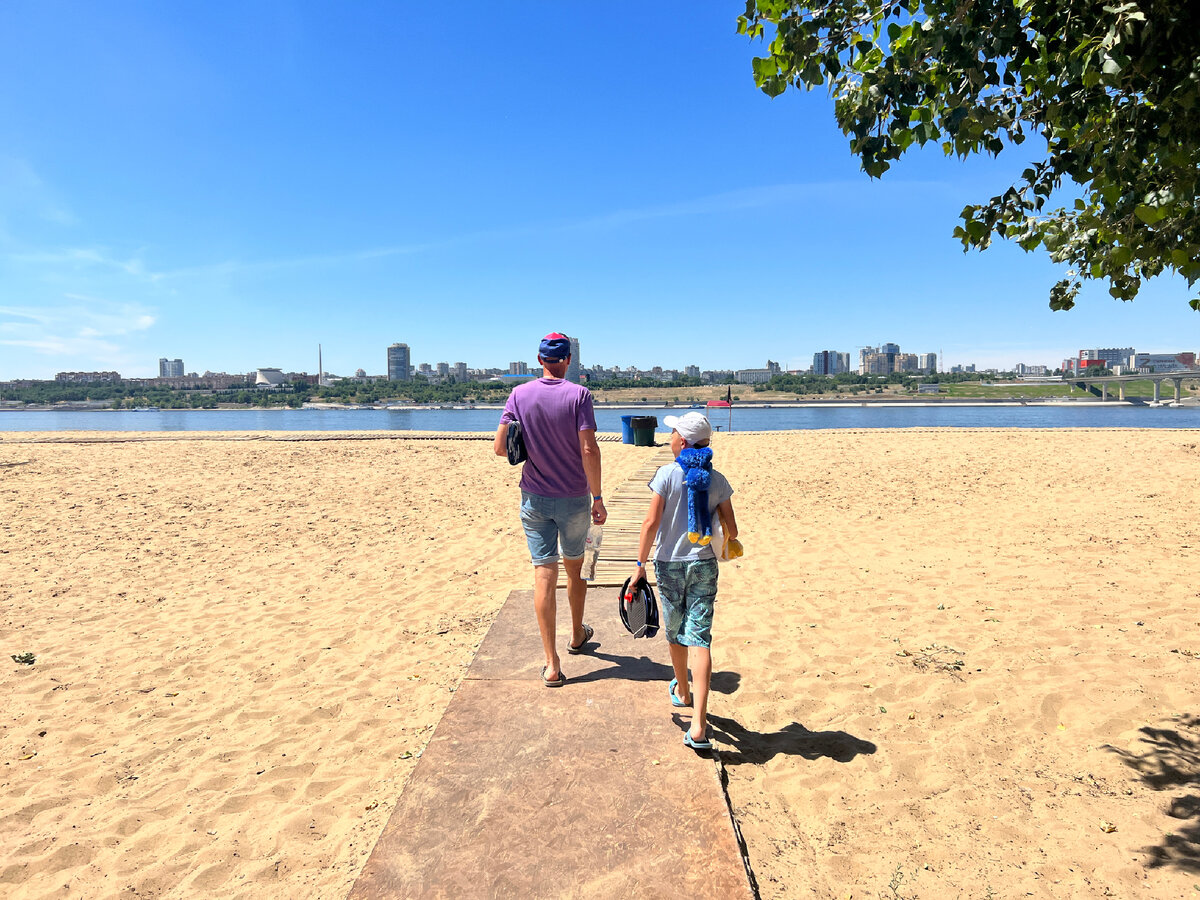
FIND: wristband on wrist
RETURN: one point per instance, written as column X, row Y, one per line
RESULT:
column 597, row 497
column 641, row 565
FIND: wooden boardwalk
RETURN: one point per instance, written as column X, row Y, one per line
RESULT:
column 626, row 505
column 578, row 792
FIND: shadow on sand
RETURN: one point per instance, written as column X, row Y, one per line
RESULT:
column 791, row 740
column 1168, row 759
column 642, row 668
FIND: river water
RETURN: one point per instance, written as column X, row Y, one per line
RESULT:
column 776, row 418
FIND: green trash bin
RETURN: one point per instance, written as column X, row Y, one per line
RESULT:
column 643, row 430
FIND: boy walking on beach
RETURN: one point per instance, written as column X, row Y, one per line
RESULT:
column 686, row 564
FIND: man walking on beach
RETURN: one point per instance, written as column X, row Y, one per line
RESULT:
column 560, row 489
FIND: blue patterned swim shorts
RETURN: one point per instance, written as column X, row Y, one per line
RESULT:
column 687, row 590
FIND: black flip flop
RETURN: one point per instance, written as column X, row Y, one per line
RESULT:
column 588, row 632
column 562, row 679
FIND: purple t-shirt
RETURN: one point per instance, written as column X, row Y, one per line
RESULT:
column 552, row 412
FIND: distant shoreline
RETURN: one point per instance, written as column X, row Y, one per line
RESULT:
column 618, row 404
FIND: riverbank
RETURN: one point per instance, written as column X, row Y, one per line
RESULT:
column 965, row 655
column 609, row 419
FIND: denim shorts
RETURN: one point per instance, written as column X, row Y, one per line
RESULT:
column 550, row 520
column 687, row 590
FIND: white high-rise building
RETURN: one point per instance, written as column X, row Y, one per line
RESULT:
column 170, row 368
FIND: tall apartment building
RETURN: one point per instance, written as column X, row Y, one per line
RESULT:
column 443, row 369
column 830, row 362
column 398, row 362
column 691, row 371
column 876, row 364
column 883, row 360
column 905, row 362
column 573, row 368
column 862, row 358
column 927, row 363
column 460, row 371
column 518, row 368
column 170, row 368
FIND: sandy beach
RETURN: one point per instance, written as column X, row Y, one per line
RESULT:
column 952, row 663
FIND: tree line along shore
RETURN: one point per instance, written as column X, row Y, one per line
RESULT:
column 781, row 388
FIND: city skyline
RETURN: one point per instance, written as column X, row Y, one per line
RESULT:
column 884, row 359
column 317, row 180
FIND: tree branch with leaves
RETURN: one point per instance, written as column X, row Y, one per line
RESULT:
column 1112, row 89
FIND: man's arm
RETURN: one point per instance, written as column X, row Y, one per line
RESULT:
column 502, row 439
column 591, row 467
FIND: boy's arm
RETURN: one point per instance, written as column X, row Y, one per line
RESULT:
column 501, row 444
column 728, row 521
column 649, row 530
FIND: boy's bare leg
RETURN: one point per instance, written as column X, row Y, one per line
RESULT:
column 545, row 605
column 576, row 596
column 701, row 658
column 679, row 662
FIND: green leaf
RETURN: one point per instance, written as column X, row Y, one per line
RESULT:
column 764, row 68
column 1149, row 214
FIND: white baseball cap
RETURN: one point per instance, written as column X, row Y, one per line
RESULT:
column 692, row 427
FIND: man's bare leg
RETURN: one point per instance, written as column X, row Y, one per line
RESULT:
column 576, row 597
column 545, row 605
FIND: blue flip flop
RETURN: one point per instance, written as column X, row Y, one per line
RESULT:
column 675, row 701
column 696, row 745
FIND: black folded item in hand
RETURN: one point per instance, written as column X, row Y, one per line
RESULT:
column 516, row 444
column 639, row 614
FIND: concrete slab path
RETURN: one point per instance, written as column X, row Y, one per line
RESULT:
column 581, row 791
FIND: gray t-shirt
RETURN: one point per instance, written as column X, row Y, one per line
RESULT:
column 673, row 543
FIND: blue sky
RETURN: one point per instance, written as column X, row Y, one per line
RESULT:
column 233, row 183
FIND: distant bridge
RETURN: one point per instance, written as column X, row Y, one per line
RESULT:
column 1085, row 381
